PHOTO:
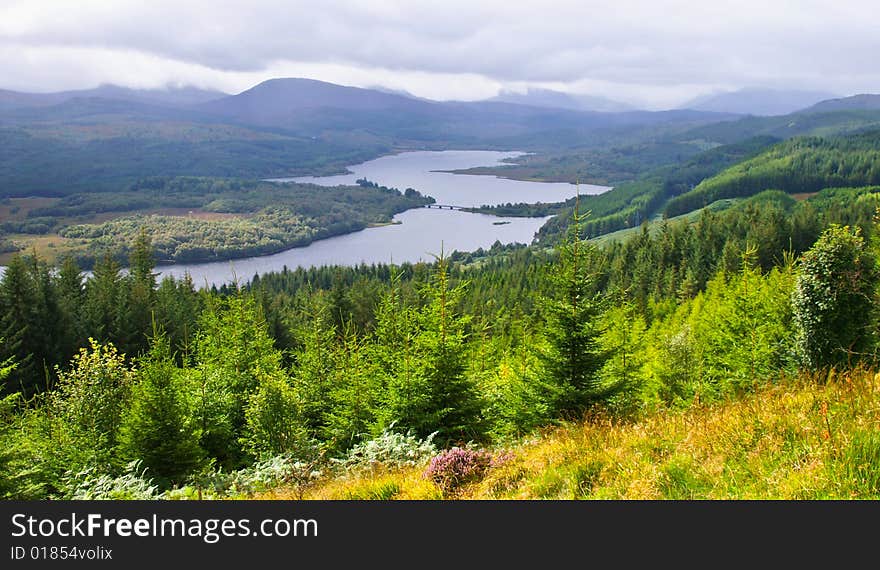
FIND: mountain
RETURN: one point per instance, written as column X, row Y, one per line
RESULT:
column 556, row 99
column 279, row 128
column 758, row 101
column 169, row 96
column 275, row 101
column 861, row 102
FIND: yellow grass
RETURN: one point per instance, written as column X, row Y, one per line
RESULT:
column 779, row 443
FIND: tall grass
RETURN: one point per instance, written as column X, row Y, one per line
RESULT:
column 809, row 437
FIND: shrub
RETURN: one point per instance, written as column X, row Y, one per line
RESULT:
column 133, row 485
column 390, row 449
column 458, row 466
column 833, row 299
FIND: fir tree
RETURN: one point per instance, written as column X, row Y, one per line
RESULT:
column 438, row 395
column 573, row 355
column 156, row 428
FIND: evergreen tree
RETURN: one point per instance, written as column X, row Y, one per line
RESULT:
column 103, row 300
column 350, row 413
column 233, row 350
column 573, row 355
column 438, row 395
column 178, row 305
column 274, row 423
column 313, row 363
column 140, row 296
column 17, row 322
column 157, row 428
column 71, row 297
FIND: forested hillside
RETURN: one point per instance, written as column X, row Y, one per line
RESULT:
column 119, row 386
column 795, row 166
column 799, row 165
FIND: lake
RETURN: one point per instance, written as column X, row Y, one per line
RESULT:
column 419, row 234
column 423, row 170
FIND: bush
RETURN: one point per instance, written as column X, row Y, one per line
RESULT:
column 390, row 449
column 833, row 299
column 458, row 466
column 133, row 485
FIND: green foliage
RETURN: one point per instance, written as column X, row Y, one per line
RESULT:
column 157, row 428
column 261, row 386
column 624, row 340
column 573, row 356
column 252, row 217
column 516, row 401
column 274, row 424
column 92, row 485
column 833, row 299
column 390, row 449
column 630, row 203
column 798, row 165
column 861, row 464
column 233, row 352
column 434, row 393
column 89, row 404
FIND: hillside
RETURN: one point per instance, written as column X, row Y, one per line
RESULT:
column 279, row 128
column 762, row 102
column 170, row 96
column 559, row 100
column 865, row 101
column 797, row 165
column 774, row 444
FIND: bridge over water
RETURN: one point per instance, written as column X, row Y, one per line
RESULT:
column 445, row 207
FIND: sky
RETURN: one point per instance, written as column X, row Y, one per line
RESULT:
column 653, row 54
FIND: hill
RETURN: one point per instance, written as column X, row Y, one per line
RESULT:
column 763, row 102
column 280, row 128
column 768, row 445
column 865, row 101
column 798, row 165
column 285, row 100
column 170, row 96
column 556, row 99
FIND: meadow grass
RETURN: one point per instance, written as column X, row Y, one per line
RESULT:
column 810, row 437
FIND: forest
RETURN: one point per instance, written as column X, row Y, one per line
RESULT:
column 119, row 386
column 207, row 219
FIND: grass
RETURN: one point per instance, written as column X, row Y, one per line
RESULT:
column 811, row 437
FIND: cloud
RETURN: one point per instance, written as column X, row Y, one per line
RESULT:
column 647, row 51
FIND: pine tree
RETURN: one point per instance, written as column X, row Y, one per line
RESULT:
column 233, row 350
column 157, row 428
column 18, row 301
column 438, row 395
column 140, row 296
column 274, row 423
column 573, row 355
column 71, row 298
column 103, row 300
column 313, row 367
column 350, row 412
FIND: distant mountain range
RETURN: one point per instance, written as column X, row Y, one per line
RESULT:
column 104, row 138
column 559, row 100
column 762, row 102
column 862, row 102
column 170, row 96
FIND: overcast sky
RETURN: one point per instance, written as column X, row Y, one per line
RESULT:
column 652, row 53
